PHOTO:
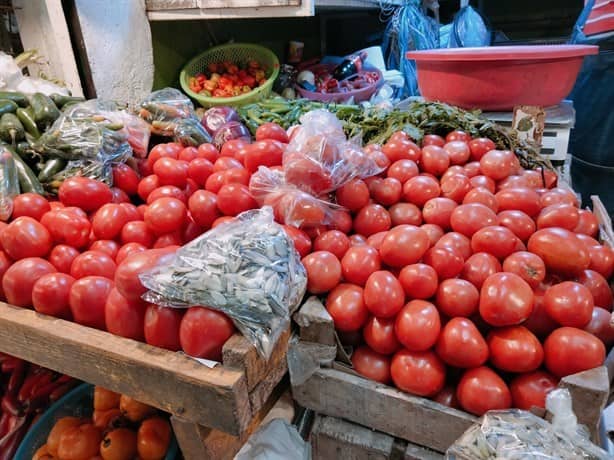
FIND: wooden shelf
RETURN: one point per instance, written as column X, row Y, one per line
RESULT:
column 177, row 10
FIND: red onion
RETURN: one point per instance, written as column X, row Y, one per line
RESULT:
column 229, row 131
column 215, row 117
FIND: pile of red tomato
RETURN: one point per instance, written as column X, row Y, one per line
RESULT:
column 226, row 79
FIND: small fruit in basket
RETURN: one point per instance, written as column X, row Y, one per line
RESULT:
column 53, row 439
column 227, row 79
column 119, row 444
column 104, row 419
column 105, row 399
column 79, row 442
column 42, row 453
column 134, row 410
column 153, row 438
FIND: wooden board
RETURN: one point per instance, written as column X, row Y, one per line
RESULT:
column 176, row 10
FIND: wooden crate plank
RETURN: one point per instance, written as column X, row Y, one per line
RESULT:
column 414, row 452
column 418, row 420
column 162, row 5
column 238, row 353
column 259, row 395
column 173, row 382
column 316, row 324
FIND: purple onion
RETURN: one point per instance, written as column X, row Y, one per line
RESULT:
column 216, row 117
column 229, row 131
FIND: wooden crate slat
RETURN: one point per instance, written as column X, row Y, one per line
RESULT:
column 216, row 397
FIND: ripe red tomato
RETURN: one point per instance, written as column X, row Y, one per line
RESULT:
column 108, row 221
column 333, row 241
column 323, row 271
column 359, row 262
column 169, row 191
column 371, row 364
column 480, row 146
column 458, row 152
column 453, row 171
column 354, row 195
column 515, row 349
column 30, row 205
column 208, row 152
column 347, row 308
column 447, row 262
column 460, row 344
column 19, row 279
column 127, row 279
column 383, row 294
column 496, row 240
column 262, row 153
column 434, row 160
column 87, row 300
column 379, row 335
column 483, row 196
column 124, row 317
column 418, row 372
column 233, row 199
column 526, row 265
column 231, row 148
column 203, row 332
column 171, row 171
column 562, row 215
column 403, row 170
column 137, row 231
column 498, row 164
column 301, row 241
column 469, row 218
column 419, row 281
column 478, row 267
column 93, row 263
column 481, row 389
column 62, row 256
column 456, row 241
column 505, row 299
column 126, row 250
column 455, row 187
column 457, row 297
column 203, row 208
column 272, row 131
column 85, row 193
column 539, row 322
column 125, row 178
column 433, row 139
column 447, row 397
column 512, row 182
column 405, row 213
column 558, row 195
column 599, row 287
column 165, row 215
column 601, row 259
column 161, row 327
column 434, row 232
column 561, row 251
column 387, row 191
column 519, row 199
column 404, row 245
column 482, row 181
column 569, row 350
column 569, row 304
column 170, row 150
column 188, row 154
column 600, row 326
column 371, row 219
column 458, row 135
column 68, row 226
column 25, row 237
column 417, row 325
column 437, row 211
column 530, row 390
column 147, row 185
column 518, row 222
column 418, row 190
column 401, row 148
column 225, row 162
column 50, row 294
column 199, row 170
column 108, row 247
column 587, row 223
column 119, row 196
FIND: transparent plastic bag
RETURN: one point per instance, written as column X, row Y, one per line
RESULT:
column 277, row 440
column 291, row 206
column 190, row 132
column 468, row 28
column 247, row 268
column 519, row 435
column 9, row 183
column 319, row 159
column 163, row 108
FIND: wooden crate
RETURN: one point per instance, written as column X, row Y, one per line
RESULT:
column 337, row 391
column 223, row 404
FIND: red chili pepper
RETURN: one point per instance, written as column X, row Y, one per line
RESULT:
column 4, row 423
column 9, row 364
column 62, row 390
column 30, row 382
column 10, row 442
column 10, row 405
column 17, row 377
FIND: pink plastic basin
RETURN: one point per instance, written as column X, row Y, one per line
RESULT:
column 497, row 78
column 359, row 95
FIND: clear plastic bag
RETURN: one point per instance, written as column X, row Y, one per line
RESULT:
column 319, row 159
column 189, row 132
column 247, row 268
column 291, row 206
column 468, row 28
column 277, row 440
column 519, row 435
column 163, row 108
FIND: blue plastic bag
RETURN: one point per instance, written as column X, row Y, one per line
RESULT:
column 468, row 29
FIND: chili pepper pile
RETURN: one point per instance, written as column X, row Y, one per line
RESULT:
column 226, row 79
column 27, row 390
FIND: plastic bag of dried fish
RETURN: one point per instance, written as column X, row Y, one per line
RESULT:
column 519, row 435
column 247, row 268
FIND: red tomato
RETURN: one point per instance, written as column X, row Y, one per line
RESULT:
column 271, row 131
column 87, row 194
column 433, row 139
column 483, row 182
column 599, row 287
column 165, row 215
column 526, row 265
column 437, row 211
column 376, row 240
column 19, row 279
column 119, row 196
column 480, row 146
column 203, row 208
column 199, row 170
column 169, row 150
column 458, row 152
column 25, row 237
column 447, row 262
column 434, row 160
column 530, row 390
column 108, row 221
column 602, row 259
column 417, row 325
column 262, row 153
column 379, row 335
column 68, row 226
column 232, row 147
column 456, row 241
column 208, row 152
column 333, row 241
column 419, row 281
column 496, row 240
column 233, row 199
column 108, row 247
column 569, row 304
column 125, row 178
column 383, row 294
column 559, row 215
column 558, row 195
column 456, row 297
column 127, row 281
column 518, row 222
column 498, row 164
column 455, row 187
column 458, row 135
column 203, row 332
column 434, row 232
column 224, row 162
column 387, row 191
column 539, row 322
column 340, row 220
column 126, row 250
column 50, row 294
column 482, row 196
column 403, row 170
column 354, row 195
column 93, row 263
column 323, row 271
column 481, row 390
column 401, row 148
column 447, row 397
column 505, row 299
column 87, row 299
column 301, row 241
column 188, row 154
column 418, row 190
column 371, row 364
column 600, row 326
column 469, row 218
column 358, row 263
column 460, row 344
column 515, row 349
column 30, row 205
column 453, row 171
column 166, row 191
column 161, row 327
column 371, row 219
column 478, row 267
column 419, row 372
column 587, row 223
column 137, row 232
column 171, row 171
column 513, row 182
column 124, row 317
column 147, row 185
column 62, row 256
column 405, row 213
column 347, row 308
column 569, row 350
column 404, row 245
column 519, row 199
column 561, row 251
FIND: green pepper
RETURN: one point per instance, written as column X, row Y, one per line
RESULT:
column 18, row 98
column 51, row 168
column 44, row 109
column 7, row 106
column 26, row 116
column 61, row 100
column 11, row 129
column 27, row 179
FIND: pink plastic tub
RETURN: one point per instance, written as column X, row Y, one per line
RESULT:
column 500, row 77
column 359, row 95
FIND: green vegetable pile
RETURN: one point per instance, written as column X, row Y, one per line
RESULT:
column 375, row 125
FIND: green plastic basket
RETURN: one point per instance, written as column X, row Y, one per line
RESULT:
column 240, row 54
